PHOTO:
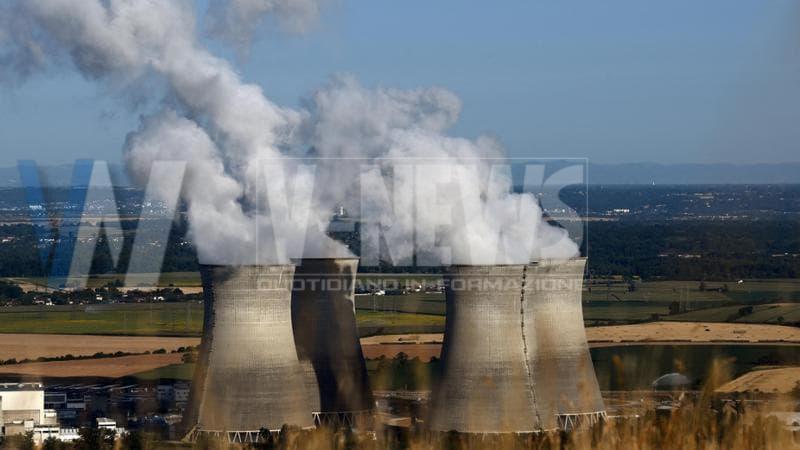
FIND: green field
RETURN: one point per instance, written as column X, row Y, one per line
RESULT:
column 418, row 303
column 769, row 313
column 604, row 303
column 667, row 291
column 162, row 319
column 654, row 291
column 623, row 312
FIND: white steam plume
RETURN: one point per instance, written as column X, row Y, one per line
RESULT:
column 485, row 223
column 224, row 128
column 236, row 21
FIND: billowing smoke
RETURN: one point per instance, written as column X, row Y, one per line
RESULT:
column 236, row 21
column 236, row 141
column 461, row 207
column 227, row 131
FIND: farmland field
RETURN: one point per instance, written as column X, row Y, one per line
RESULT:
column 689, row 291
column 182, row 371
column 146, row 319
column 617, row 368
column 781, row 380
column 770, row 313
column 102, row 367
column 165, row 319
column 32, row 346
column 605, row 303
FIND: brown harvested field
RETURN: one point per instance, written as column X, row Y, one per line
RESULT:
column 426, row 345
column 102, row 367
column 32, row 346
column 403, row 339
column 423, row 346
column 778, row 381
column 694, row 332
column 28, row 286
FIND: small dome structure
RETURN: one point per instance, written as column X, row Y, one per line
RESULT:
column 671, row 382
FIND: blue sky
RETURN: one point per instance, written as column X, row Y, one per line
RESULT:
column 617, row 81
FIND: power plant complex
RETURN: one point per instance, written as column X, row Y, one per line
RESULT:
column 567, row 393
column 515, row 356
column 485, row 385
column 248, row 375
column 280, row 346
column 326, row 336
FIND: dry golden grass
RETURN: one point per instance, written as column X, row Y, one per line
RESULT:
column 32, row 346
column 704, row 423
column 101, row 367
column 692, row 428
column 425, row 346
column 780, row 380
column 696, row 332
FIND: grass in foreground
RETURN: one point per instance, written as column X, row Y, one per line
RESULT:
column 695, row 426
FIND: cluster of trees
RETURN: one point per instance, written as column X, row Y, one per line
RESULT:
column 14, row 294
column 402, row 372
column 695, row 250
column 665, row 249
column 189, row 355
column 27, row 256
column 10, row 291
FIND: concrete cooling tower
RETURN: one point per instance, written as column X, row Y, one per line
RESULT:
column 325, row 333
column 567, row 393
column 248, row 376
column 485, row 385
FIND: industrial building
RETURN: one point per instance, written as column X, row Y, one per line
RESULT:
column 515, row 356
column 485, row 385
column 248, row 375
column 564, row 380
column 326, row 336
column 22, row 411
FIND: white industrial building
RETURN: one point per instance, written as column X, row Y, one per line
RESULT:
column 22, row 411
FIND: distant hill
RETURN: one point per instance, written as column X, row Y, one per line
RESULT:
column 660, row 174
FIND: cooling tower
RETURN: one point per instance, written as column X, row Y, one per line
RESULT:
column 485, row 385
column 567, row 393
column 324, row 322
column 248, row 376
